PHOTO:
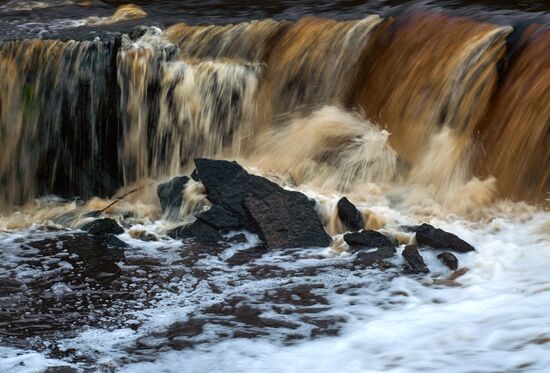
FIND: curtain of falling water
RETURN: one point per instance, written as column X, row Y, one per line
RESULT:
column 217, row 90
column 53, row 108
column 516, row 135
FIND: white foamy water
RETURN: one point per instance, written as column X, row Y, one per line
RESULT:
column 494, row 318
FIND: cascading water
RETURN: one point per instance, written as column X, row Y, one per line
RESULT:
column 416, row 115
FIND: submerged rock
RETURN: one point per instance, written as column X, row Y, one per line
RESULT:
column 449, row 260
column 282, row 218
column 219, row 218
column 198, row 230
column 171, row 195
column 427, row 235
column 376, row 257
column 368, row 240
column 349, row 215
column 103, row 227
column 414, row 260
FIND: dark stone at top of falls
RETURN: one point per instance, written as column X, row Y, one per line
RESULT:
column 171, row 195
column 282, row 218
column 368, row 240
column 198, row 230
column 427, row 235
column 103, row 227
column 414, row 260
column 449, row 259
column 349, row 215
column 219, row 218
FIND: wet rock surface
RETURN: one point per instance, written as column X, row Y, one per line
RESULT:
column 219, row 218
column 414, row 260
column 376, row 257
column 427, row 235
column 103, row 227
column 368, row 239
column 349, row 215
column 282, row 218
column 449, row 259
column 198, row 230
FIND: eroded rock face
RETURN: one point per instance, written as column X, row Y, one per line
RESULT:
column 414, row 260
column 427, row 235
column 171, row 195
column 282, row 218
column 349, row 215
column 368, row 239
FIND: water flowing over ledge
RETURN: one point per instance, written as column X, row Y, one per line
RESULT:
column 421, row 117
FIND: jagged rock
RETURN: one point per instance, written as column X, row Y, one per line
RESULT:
column 171, row 195
column 103, row 226
column 219, row 218
column 61, row 369
column 427, row 235
column 368, row 240
column 198, row 230
column 449, row 260
column 414, row 259
column 282, row 218
column 377, row 257
column 238, row 238
column 349, row 215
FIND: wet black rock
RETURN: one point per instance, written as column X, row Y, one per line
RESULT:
column 171, row 195
column 376, row 257
column 349, row 215
column 219, row 218
column 198, row 230
column 112, row 241
column 414, row 260
column 427, row 235
column 368, row 239
column 282, row 219
column 103, row 227
column 449, row 260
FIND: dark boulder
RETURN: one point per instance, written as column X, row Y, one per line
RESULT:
column 368, row 240
column 171, row 195
column 102, row 227
column 349, row 215
column 427, row 235
column 282, row 218
column 414, row 259
column 376, row 258
column 219, row 218
column 449, row 260
column 198, row 231
column 283, row 221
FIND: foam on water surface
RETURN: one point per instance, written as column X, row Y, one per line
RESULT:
column 241, row 309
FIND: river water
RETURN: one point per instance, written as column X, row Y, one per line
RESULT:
column 419, row 112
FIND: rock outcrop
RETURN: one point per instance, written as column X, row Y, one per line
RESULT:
column 427, row 235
